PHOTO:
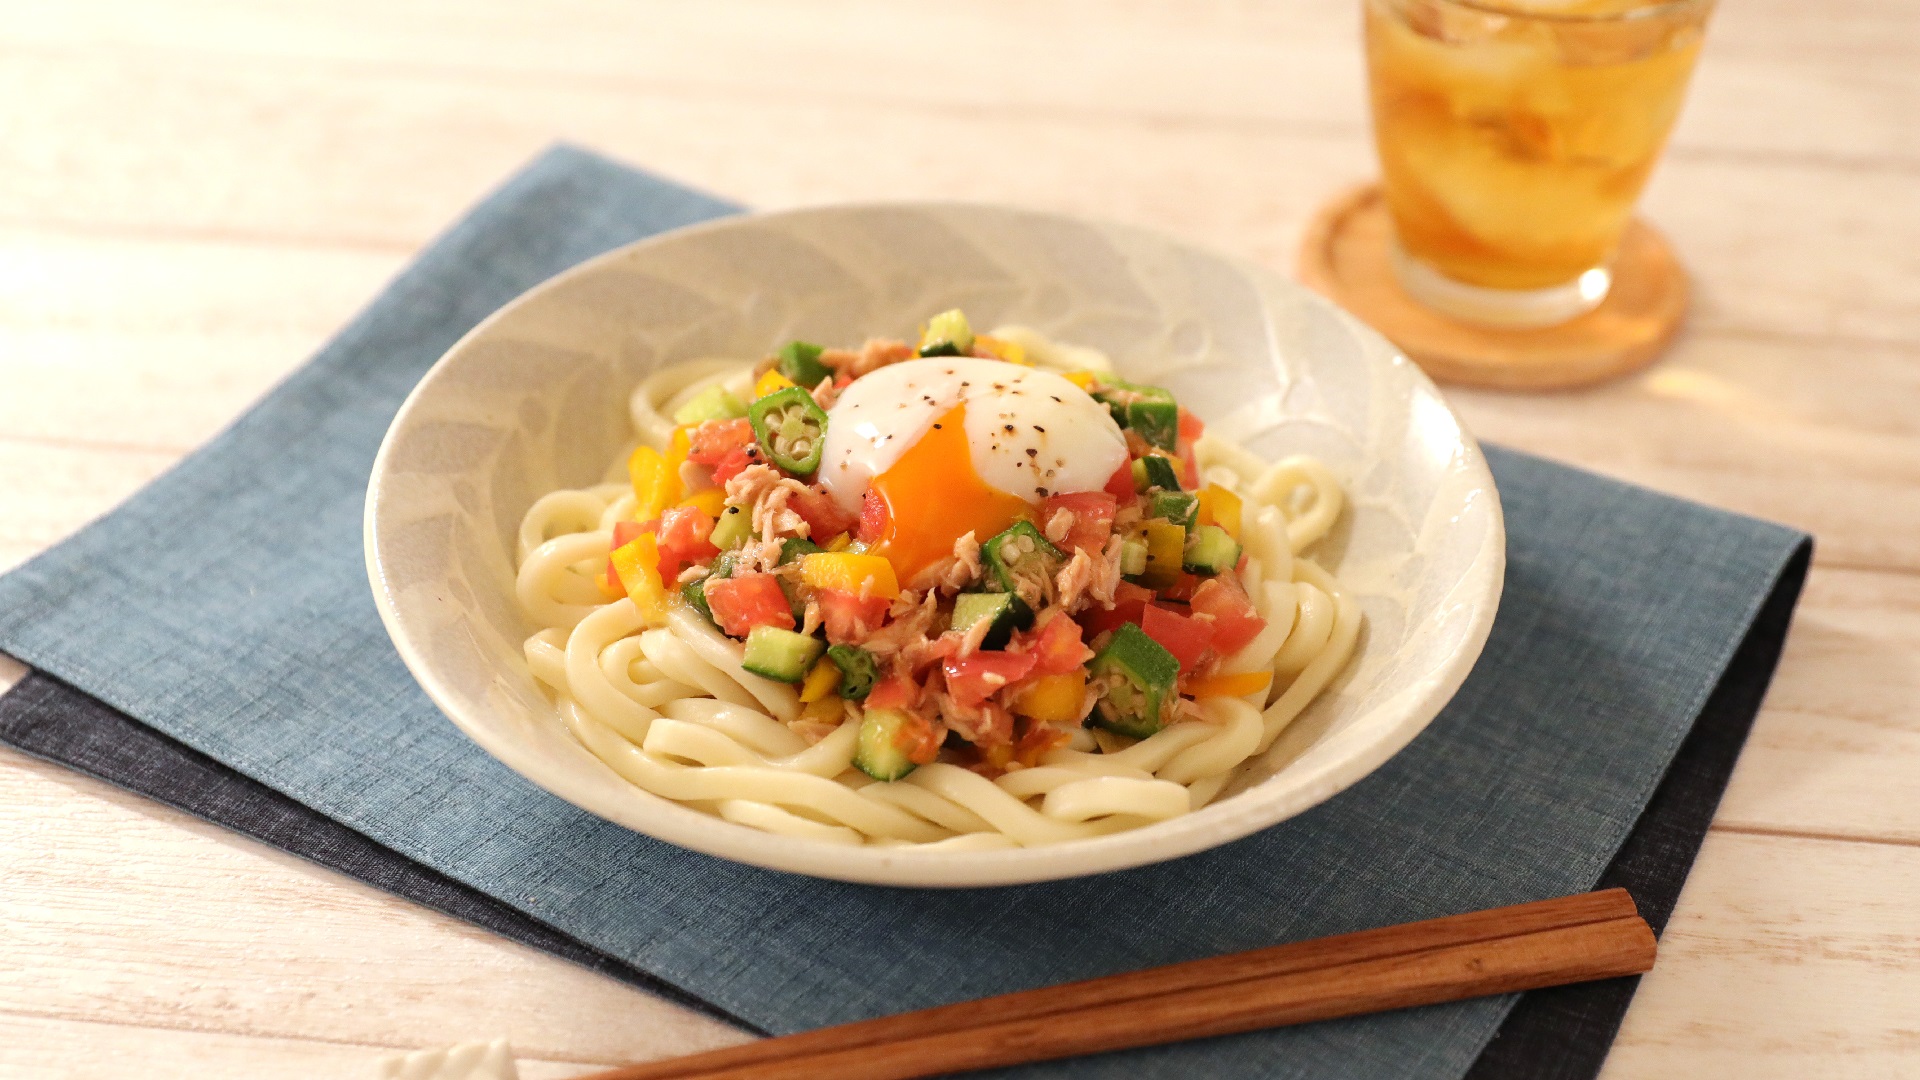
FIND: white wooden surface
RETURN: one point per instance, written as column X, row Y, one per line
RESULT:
column 194, row 193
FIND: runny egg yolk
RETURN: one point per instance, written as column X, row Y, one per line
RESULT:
column 933, row 497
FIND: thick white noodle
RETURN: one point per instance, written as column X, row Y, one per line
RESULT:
column 671, row 709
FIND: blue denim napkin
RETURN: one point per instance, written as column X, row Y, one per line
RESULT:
column 226, row 606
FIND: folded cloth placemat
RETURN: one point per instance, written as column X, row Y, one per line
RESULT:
column 226, row 606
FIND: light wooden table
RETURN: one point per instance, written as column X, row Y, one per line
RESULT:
column 193, row 194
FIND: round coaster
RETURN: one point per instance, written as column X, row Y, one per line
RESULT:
column 1347, row 257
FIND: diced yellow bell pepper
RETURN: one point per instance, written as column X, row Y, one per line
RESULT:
column 999, row 756
column 1081, row 379
column 678, row 448
column 710, row 502
column 1052, row 699
column 1221, row 507
column 655, row 487
column 1010, row 351
column 1240, row 685
column 824, row 710
column 840, row 542
column 638, row 564
column 608, row 588
column 771, row 383
column 1166, row 549
column 822, row 679
column 847, row 572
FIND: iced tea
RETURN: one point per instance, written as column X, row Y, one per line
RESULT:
column 1514, row 137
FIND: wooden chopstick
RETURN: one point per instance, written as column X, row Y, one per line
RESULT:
column 1548, row 943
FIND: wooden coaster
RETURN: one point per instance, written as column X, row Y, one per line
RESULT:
column 1346, row 257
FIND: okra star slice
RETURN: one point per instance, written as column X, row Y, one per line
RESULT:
column 1021, row 561
column 791, row 428
column 1142, row 674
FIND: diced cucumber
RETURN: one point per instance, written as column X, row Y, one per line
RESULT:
column 795, row 548
column 1149, row 410
column 695, row 594
column 781, row 655
column 880, row 751
column 1145, row 672
column 800, row 363
column 1004, row 613
column 1178, row 507
column 1154, row 471
column 947, row 334
column 858, row 672
column 723, row 565
column 713, row 403
column 1156, row 420
column 1210, row 551
column 732, row 530
column 1021, row 561
column 1133, row 556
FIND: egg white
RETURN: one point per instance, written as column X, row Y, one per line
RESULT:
column 1031, row 433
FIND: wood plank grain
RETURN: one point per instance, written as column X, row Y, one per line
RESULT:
column 1295, row 66
column 147, row 917
column 385, row 158
column 45, row 1048
column 156, row 343
column 1836, row 750
column 1786, row 959
column 1754, row 424
column 52, row 490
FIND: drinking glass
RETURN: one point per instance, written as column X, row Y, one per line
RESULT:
column 1514, row 138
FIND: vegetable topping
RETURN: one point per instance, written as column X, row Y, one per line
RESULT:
column 948, row 617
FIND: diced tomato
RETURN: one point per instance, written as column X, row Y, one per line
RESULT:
column 1234, row 620
column 1190, row 427
column 1189, row 468
column 735, row 462
column 1182, row 587
column 739, row 604
column 1120, row 484
column 893, row 692
column 847, row 617
column 711, row 442
column 824, row 518
column 921, row 739
column 873, row 519
column 1056, row 648
column 973, row 679
column 1129, row 601
column 683, row 540
column 1092, row 518
column 1185, row 637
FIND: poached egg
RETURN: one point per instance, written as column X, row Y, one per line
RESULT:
column 953, row 445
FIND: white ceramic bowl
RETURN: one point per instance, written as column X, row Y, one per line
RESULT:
column 535, row 398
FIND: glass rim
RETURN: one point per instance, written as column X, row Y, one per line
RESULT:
column 1514, row 9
